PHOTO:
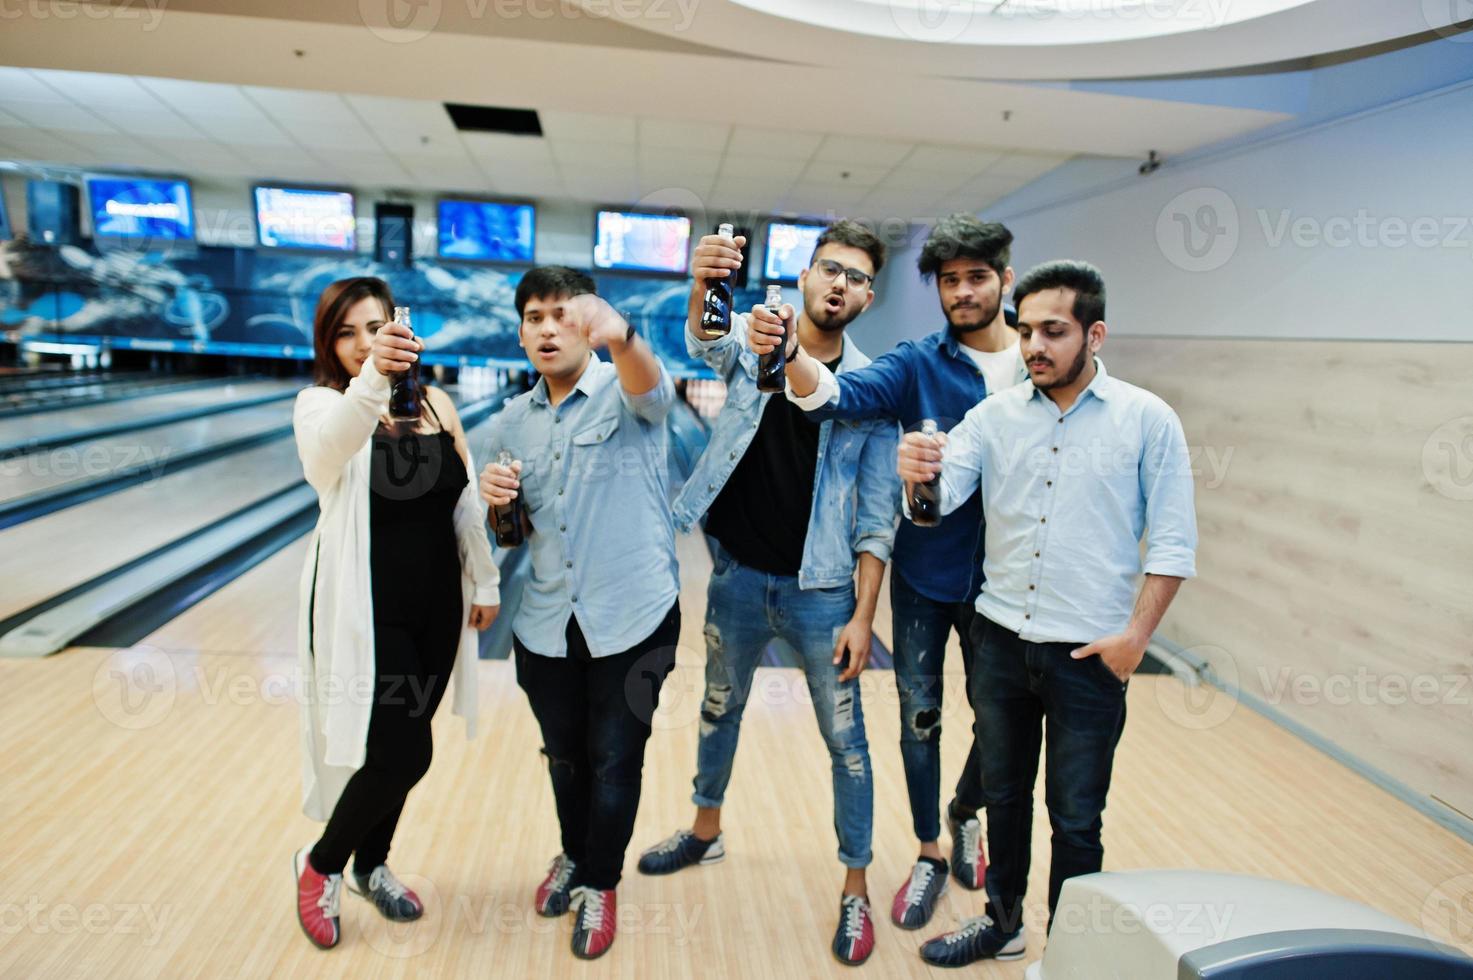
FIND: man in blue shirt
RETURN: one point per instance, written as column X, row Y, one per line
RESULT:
column 1074, row 467
column 793, row 506
column 937, row 570
column 595, row 634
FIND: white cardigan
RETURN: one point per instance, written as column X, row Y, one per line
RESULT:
column 335, row 643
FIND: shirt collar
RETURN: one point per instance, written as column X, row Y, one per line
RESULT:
column 588, row 382
column 1099, row 386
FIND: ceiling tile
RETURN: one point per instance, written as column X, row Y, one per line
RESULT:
column 65, row 117
column 757, row 141
column 95, row 89
column 195, row 99
column 501, row 147
column 1025, row 165
column 593, row 155
column 746, row 167
column 695, row 136
column 332, row 135
column 964, row 161
column 843, row 174
column 588, row 127
column 862, row 151
column 238, row 129
column 19, row 84
column 290, row 104
column 152, row 123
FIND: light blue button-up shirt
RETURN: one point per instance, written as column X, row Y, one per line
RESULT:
column 1067, row 498
column 595, row 487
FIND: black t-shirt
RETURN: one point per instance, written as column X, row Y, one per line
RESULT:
column 761, row 514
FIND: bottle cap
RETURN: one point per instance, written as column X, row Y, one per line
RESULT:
column 725, row 230
column 774, row 295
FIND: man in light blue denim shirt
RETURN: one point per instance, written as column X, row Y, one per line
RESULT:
column 595, row 634
column 791, row 504
column 1075, row 467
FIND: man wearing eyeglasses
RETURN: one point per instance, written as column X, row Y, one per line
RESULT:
column 937, row 570
column 794, row 507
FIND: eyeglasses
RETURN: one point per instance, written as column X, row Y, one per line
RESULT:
column 831, row 270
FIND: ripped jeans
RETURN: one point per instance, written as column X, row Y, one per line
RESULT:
column 745, row 609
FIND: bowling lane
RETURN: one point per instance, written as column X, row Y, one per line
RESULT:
column 51, row 554
column 154, row 447
column 47, row 425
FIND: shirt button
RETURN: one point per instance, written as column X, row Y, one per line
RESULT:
column 1030, row 588
column 1037, row 555
column 1048, row 483
column 557, row 420
column 557, row 455
column 1041, row 520
column 1061, row 421
column 562, row 527
column 568, row 564
column 1025, row 615
column 1056, row 449
column 560, row 491
column 575, row 598
column 711, row 487
column 732, row 456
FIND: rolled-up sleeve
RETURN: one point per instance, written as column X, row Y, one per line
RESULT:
column 1171, row 515
column 719, row 352
column 878, row 491
column 655, row 404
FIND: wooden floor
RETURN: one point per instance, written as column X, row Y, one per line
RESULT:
column 150, row 805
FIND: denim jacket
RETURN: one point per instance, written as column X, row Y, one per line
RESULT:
column 856, row 491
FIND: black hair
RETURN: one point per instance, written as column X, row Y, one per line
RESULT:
column 965, row 236
column 1083, row 278
column 552, row 281
column 855, row 235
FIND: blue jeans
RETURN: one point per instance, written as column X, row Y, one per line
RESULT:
column 1017, row 688
column 745, row 609
column 921, row 626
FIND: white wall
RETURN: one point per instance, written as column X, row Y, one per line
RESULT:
column 1360, row 229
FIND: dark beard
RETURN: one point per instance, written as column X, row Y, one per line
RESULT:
column 1075, row 370
column 988, row 315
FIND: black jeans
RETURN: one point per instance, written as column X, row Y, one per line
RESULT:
column 1016, row 688
column 595, row 715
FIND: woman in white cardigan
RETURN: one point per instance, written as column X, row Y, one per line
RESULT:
column 398, row 579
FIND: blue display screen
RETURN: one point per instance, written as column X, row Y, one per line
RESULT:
column 136, row 207
column 486, row 231
column 789, row 250
column 296, row 217
column 642, row 242
column 4, row 219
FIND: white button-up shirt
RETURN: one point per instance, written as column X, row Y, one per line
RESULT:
column 1067, row 499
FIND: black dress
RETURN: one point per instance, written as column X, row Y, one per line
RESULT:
column 415, row 482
